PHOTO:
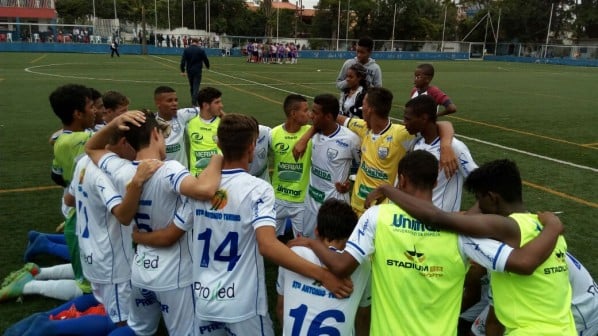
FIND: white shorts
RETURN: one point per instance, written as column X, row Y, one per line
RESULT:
column 115, row 298
column 310, row 221
column 176, row 306
column 291, row 210
column 258, row 325
column 478, row 327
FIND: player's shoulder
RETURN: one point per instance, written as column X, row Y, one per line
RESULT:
column 307, row 254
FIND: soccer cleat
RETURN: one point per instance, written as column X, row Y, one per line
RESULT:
column 15, row 288
column 31, row 268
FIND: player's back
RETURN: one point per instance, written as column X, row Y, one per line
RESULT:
column 229, row 282
column 155, row 268
column 105, row 244
column 540, row 303
column 308, row 306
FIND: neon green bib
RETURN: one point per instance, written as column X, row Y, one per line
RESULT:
column 417, row 277
column 538, row 304
column 202, row 143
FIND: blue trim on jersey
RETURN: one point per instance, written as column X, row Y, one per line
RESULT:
column 181, row 176
column 135, row 163
column 262, row 325
column 496, row 256
column 263, row 217
column 117, row 303
column 192, row 296
column 338, row 129
column 232, row 171
column 145, row 202
column 356, row 247
column 437, row 140
column 113, row 198
column 574, row 261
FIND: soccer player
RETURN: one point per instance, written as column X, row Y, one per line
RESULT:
column 383, row 144
column 303, row 306
column 290, row 177
column 202, row 130
column 105, row 245
column 232, row 233
column 419, row 118
column 364, row 51
column 334, row 149
column 160, row 277
column 417, row 270
column 521, row 302
column 167, row 103
column 73, row 104
column 584, row 305
column 115, row 104
column 259, row 165
column 424, row 73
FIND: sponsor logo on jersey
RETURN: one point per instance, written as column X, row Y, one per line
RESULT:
column 218, row 215
column 147, row 261
column 209, row 328
column 316, row 194
column 412, row 226
column 342, row 143
column 281, row 148
column 415, row 261
column 87, row 258
column 314, row 289
column 560, row 257
column 373, row 172
column 196, row 137
column 219, row 292
column 321, row 173
column 173, row 148
column 149, row 298
column 219, row 200
column 288, row 191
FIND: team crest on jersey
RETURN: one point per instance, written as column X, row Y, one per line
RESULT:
column 281, row 147
column 219, row 200
column 196, row 137
column 175, row 127
column 560, row 256
column 382, row 152
column 332, row 154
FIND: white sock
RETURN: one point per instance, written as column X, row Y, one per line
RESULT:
column 64, row 271
column 57, row 289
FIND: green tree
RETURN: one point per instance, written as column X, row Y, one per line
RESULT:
column 586, row 23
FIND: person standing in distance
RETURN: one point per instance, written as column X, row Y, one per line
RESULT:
column 192, row 62
column 365, row 45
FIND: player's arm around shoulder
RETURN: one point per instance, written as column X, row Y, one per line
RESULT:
column 207, row 183
column 159, row 238
column 95, row 147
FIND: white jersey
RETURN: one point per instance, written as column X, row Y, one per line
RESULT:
column 331, row 160
column 155, row 268
column 489, row 253
column 584, row 305
column 228, row 275
column 105, row 245
column 447, row 193
column 308, row 305
column 259, row 166
column 175, row 142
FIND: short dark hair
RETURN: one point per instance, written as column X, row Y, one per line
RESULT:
column 67, row 99
column 366, row 42
column 208, row 95
column 329, row 104
column 114, row 99
column 427, row 69
column 290, row 101
column 498, row 176
column 139, row 137
column 381, row 100
column 336, row 220
column 95, row 94
column 421, row 168
column 163, row 89
column 423, row 104
column 235, row 133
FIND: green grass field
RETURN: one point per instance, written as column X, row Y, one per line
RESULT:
column 542, row 116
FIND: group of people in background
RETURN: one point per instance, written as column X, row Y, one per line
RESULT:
column 194, row 189
column 272, row 52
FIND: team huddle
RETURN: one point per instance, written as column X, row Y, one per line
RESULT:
column 170, row 214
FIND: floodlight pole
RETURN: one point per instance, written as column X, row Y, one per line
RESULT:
column 497, row 33
column 443, row 27
column 548, row 33
column 394, row 21
column 115, row 16
column 182, row 24
column 168, row 12
column 194, row 26
column 156, row 16
column 93, row 3
column 338, row 25
column 347, row 32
